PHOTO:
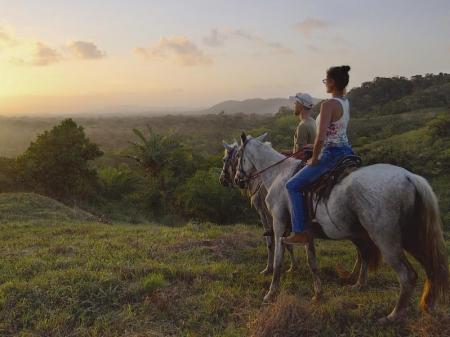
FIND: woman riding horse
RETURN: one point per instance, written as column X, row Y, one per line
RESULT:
column 331, row 145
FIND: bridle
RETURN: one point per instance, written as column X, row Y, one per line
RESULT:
column 246, row 178
column 230, row 162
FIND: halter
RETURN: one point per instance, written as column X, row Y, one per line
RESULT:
column 247, row 178
column 230, row 162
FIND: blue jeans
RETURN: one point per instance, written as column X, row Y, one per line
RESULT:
column 327, row 160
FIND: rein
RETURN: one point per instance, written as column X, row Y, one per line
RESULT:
column 230, row 162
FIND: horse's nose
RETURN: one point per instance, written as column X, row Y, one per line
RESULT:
column 222, row 180
column 238, row 181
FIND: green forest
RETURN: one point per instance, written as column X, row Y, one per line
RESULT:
column 165, row 169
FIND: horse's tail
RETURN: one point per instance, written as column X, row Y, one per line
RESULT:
column 426, row 243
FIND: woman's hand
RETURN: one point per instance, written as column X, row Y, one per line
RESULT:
column 312, row 162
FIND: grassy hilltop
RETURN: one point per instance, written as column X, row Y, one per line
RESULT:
column 62, row 275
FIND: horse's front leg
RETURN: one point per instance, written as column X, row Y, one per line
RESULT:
column 294, row 261
column 270, row 252
column 277, row 263
column 312, row 262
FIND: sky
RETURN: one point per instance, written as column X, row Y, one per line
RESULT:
column 61, row 56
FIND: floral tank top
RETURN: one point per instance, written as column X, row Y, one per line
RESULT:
column 337, row 131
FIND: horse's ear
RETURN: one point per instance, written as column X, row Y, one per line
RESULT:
column 262, row 138
column 243, row 137
column 226, row 146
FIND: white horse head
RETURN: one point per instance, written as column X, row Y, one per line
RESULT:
column 246, row 166
column 229, row 163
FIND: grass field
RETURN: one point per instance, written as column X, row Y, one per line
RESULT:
column 63, row 276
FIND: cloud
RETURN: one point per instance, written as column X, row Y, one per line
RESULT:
column 341, row 42
column 217, row 38
column 334, row 44
column 85, row 50
column 275, row 47
column 314, row 48
column 40, row 55
column 7, row 37
column 32, row 52
column 179, row 48
column 308, row 26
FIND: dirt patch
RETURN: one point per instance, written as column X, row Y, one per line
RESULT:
column 435, row 325
column 287, row 317
column 225, row 246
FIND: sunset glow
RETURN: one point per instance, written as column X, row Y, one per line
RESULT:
column 84, row 56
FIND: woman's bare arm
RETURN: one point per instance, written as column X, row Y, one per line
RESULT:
column 326, row 113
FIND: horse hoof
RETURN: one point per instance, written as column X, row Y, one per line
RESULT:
column 356, row 287
column 388, row 319
column 293, row 269
column 269, row 297
column 267, row 271
column 315, row 299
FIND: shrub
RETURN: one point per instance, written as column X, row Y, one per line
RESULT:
column 205, row 199
column 57, row 163
column 117, row 182
column 8, row 175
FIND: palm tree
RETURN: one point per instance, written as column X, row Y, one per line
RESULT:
column 153, row 150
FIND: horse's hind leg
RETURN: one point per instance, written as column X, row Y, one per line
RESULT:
column 358, row 277
column 312, row 262
column 386, row 236
column 352, row 277
column 361, row 280
column 407, row 277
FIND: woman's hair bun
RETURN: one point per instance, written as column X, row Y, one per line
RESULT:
column 340, row 76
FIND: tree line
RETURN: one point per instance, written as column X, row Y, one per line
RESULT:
column 170, row 177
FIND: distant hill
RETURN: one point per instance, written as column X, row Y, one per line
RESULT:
column 251, row 106
column 32, row 206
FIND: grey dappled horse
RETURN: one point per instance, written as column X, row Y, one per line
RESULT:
column 257, row 194
column 382, row 208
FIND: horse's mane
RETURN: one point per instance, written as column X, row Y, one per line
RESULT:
column 263, row 143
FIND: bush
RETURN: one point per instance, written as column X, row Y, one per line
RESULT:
column 57, row 163
column 205, row 199
column 117, row 182
column 8, row 175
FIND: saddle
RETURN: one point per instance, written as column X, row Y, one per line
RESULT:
column 321, row 188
